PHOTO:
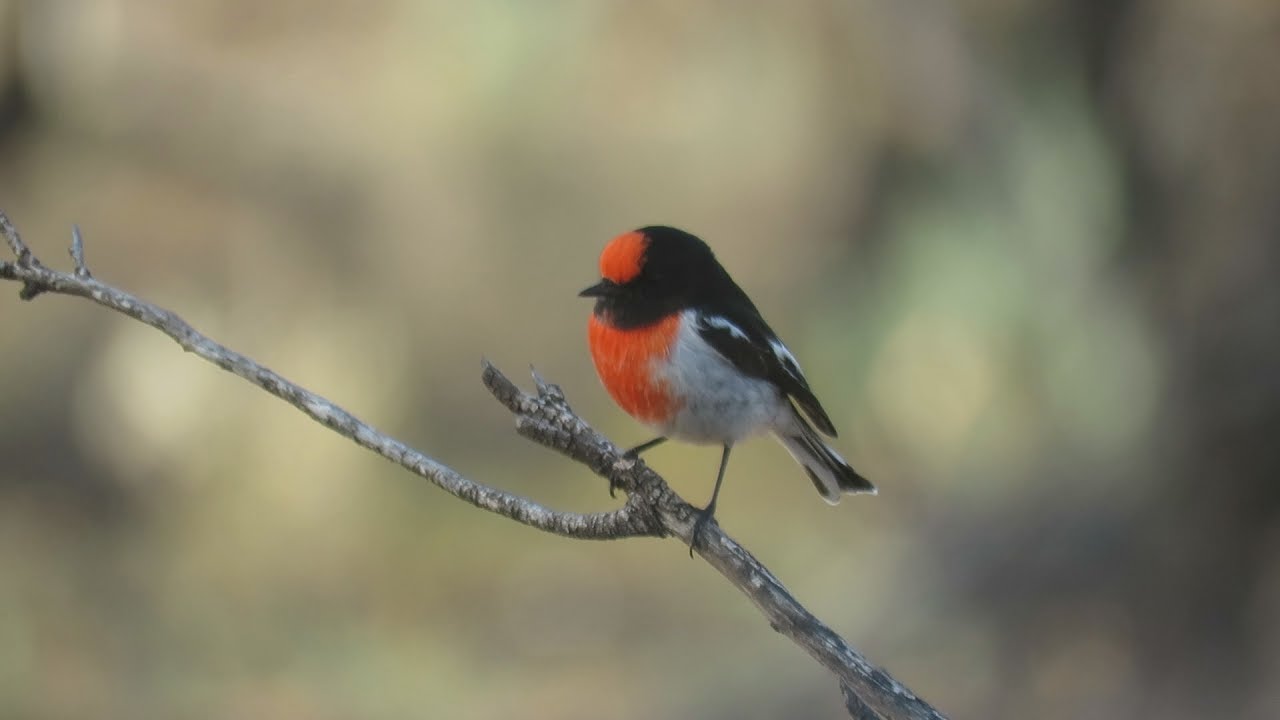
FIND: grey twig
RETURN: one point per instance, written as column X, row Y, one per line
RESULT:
column 25, row 261
column 36, row 279
column 77, row 252
column 652, row 508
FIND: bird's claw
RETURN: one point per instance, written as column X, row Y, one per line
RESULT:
column 704, row 516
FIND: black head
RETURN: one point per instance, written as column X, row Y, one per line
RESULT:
column 649, row 273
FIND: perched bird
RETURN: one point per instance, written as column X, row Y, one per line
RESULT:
column 682, row 349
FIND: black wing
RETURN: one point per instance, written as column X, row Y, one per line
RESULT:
column 745, row 340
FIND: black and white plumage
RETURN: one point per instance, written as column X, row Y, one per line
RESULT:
column 763, row 389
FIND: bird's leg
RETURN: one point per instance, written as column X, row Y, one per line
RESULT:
column 708, row 513
column 634, row 453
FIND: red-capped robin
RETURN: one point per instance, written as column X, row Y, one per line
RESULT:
column 682, row 349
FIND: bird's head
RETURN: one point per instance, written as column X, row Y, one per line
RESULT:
column 648, row 273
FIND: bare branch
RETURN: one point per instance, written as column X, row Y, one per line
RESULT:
column 37, row 279
column 652, row 508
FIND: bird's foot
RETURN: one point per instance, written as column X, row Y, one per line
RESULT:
column 706, row 515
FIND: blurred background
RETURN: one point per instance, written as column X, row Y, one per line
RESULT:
column 1026, row 252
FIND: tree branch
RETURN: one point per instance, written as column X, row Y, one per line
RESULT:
column 652, row 508
column 37, row 279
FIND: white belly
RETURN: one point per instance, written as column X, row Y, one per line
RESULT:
column 721, row 405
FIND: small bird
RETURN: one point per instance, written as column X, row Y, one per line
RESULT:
column 681, row 348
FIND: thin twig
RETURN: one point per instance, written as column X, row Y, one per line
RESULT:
column 594, row 526
column 25, row 260
column 14, row 240
column 77, row 252
column 652, row 508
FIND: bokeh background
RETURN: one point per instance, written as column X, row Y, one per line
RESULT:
column 1026, row 251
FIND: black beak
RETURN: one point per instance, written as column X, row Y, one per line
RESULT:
column 600, row 289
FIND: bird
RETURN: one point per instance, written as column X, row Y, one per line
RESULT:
column 681, row 348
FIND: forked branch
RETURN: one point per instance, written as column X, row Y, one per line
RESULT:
column 652, row 508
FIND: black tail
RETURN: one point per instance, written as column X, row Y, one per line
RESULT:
column 831, row 475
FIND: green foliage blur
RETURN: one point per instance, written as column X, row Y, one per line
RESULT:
column 1026, row 252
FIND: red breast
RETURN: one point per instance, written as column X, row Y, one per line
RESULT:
column 626, row 361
